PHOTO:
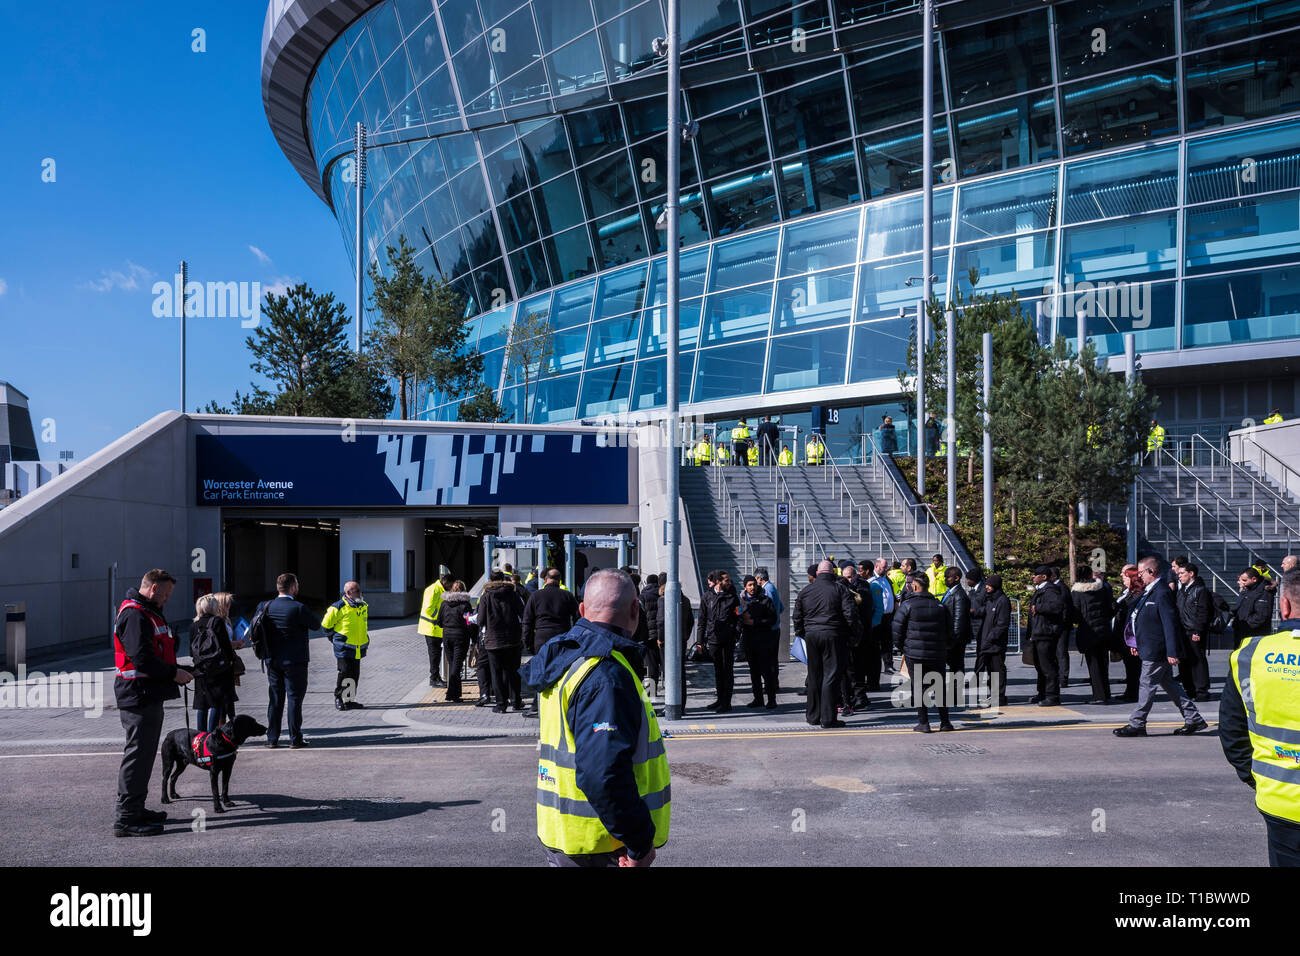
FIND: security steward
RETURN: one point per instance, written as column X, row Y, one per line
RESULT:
column 825, row 616
column 814, row 451
column 603, row 793
column 1047, row 622
column 144, row 653
column 346, row 624
column 703, row 452
column 1155, row 438
column 1275, row 418
column 429, row 628
column 1260, row 729
column 740, row 443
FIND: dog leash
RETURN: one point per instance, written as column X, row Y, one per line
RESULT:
column 186, row 690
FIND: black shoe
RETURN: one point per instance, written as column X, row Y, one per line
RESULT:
column 1097, row 701
column 530, row 713
column 298, row 745
column 482, row 702
column 517, row 706
column 1202, row 697
column 723, row 709
column 272, row 745
column 354, row 705
column 923, row 728
column 1128, row 730
column 946, row 725
column 498, row 710
column 338, row 704
column 1050, row 703
column 1188, row 729
column 756, row 702
column 713, row 706
column 833, row 724
column 453, row 700
column 137, row 829
column 437, row 682
column 770, row 705
column 152, row 816
column 1130, row 698
column 814, row 723
column 1036, row 699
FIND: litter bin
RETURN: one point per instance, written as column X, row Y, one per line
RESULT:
column 15, row 636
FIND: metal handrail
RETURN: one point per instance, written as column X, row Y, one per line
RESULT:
column 802, row 512
column 834, row 474
column 737, row 530
column 1288, row 471
column 1180, row 468
column 1145, row 486
column 1237, row 468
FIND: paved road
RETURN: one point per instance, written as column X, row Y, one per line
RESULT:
column 406, row 782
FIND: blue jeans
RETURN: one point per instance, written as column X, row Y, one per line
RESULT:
column 208, row 720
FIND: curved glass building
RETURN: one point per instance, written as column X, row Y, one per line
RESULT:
column 1135, row 159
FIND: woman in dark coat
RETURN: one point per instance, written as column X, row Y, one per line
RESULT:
column 1094, row 615
column 501, row 619
column 456, row 635
column 1123, row 608
column 216, row 665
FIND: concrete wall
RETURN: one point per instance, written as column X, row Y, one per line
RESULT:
column 652, row 499
column 396, row 536
column 1273, row 450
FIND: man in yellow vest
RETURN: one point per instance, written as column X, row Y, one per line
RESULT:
column 814, row 451
column 897, row 578
column 346, row 624
column 786, row 457
column 935, row 575
column 720, row 454
column 1259, row 724
column 740, row 443
column 429, row 628
column 1275, row 418
column 703, row 452
column 603, row 793
column 1155, row 439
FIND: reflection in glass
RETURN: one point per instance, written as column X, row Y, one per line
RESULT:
column 729, row 371
column 556, row 400
column 998, row 57
column 891, row 160
column 578, row 67
column 1245, row 307
column 1247, row 232
column 887, row 86
column 1256, row 161
column 1209, row 24
column 596, row 133
column 742, row 201
column 883, row 288
column 619, row 238
column 608, row 184
column 572, row 305
column 819, row 181
column 739, row 314
column 558, row 206
column 807, row 361
column 654, row 330
column 613, row 340
column 744, row 260
column 1125, row 185
column 773, row 22
column 731, row 132
column 822, row 244
column 651, row 386
column 1244, row 82
column 1137, row 249
column 546, row 150
column 627, row 39
column 1115, row 110
column 529, row 268
column 1011, row 204
column 880, row 350
column 692, row 269
column 605, row 391
column 1006, row 135
column 1131, row 32
column 895, row 227
column 621, row 292
column 1022, row 264
column 814, row 301
column 811, row 114
column 1146, row 310
column 569, row 346
column 569, row 254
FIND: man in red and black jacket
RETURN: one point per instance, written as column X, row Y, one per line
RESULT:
column 144, row 652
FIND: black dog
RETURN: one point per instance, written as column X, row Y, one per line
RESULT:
column 214, row 752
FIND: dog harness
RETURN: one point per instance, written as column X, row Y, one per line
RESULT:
column 202, row 747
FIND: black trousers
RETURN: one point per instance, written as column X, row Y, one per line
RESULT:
column 957, row 659
column 285, row 683
column 1283, row 842
column 1049, row 687
column 654, row 660
column 349, row 671
column 760, row 651
column 1098, row 658
column 483, row 671
column 1063, row 658
column 434, row 646
column 994, row 664
column 925, row 675
column 825, row 674
column 505, row 675
column 866, row 664
column 724, row 670
column 1132, row 674
column 885, row 639
column 457, row 648
column 1194, row 671
column 740, row 453
column 143, row 726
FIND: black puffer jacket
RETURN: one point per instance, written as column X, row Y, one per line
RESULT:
column 1253, row 614
column 451, row 617
column 686, row 619
column 923, row 628
column 957, row 601
column 978, row 599
column 649, row 598
column 761, row 611
column 825, row 609
column 1094, row 609
column 1048, row 613
column 501, row 616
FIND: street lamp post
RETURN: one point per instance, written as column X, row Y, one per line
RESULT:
column 927, row 223
column 359, row 169
column 951, row 424
column 988, row 451
column 185, row 272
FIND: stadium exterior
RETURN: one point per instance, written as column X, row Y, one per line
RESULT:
column 1136, row 159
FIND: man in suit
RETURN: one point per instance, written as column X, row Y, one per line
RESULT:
column 769, row 441
column 1047, row 621
column 1154, row 625
column 286, row 661
column 957, row 601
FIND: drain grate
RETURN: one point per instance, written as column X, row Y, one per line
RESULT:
column 951, row 750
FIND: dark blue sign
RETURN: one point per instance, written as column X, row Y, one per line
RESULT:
column 409, row 469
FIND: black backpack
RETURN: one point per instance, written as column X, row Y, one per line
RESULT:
column 259, row 631
column 1222, row 614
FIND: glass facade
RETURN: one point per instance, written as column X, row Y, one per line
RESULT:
column 1136, row 159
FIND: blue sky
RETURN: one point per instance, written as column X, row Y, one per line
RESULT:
column 160, row 153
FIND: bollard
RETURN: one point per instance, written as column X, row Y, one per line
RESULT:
column 15, row 636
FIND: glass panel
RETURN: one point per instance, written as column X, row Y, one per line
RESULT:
column 1252, row 232
column 518, row 222
column 1094, row 38
column 437, row 99
column 1006, row 135
column 563, row 22
column 1249, row 81
column 1023, row 264
column 1120, row 109
column 887, row 88
column 492, row 364
column 819, row 181
column 494, row 10
column 743, row 261
column 605, row 391
column 558, row 206
column 621, row 292
column 569, row 255
column 1144, row 309
column 619, row 238
column 525, row 86
column 461, row 19
column 538, row 308
column 814, row 301
column 529, row 268
column 692, row 226
column 481, row 241
column 627, row 40
column 1139, row 248
column 494, row 328
column 578, row 67
column 807, row 361
column 608, row 184
column 514, row 43
column 449, row 254
column 1209, row 24
column 727, row 372
column 891, row 161
column 556, row 400
column 505, row 169
column 569, row 347
column 1121, row 185
column 1257, row 161
column 654, row 330
column 742, row 202
column 613, row 340
column 412, row 12
column 883, row 288
column 546, row 150
column 573, row 305
column 692, row 268
column 997, row 58
column 709, row 29
column 473, row 70
column 1008, row 205
column 596, row 133
column 651, row 387
column 363, row 57
column 879, row 351
column 458, row 151
column 741, row 314
column 813, row 114
column 894, row 227
column 731, row 126
column 773, row 22
column 824, row 244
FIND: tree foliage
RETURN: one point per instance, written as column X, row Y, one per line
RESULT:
column 529, row 349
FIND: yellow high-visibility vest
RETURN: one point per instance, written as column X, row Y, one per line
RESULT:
column 1272, row 419
column 752, row 454
column 897, row 578
column 566, row 821
column 1156, row 439
column 429, row 610
column 352, row 622
column 936, row 578
column 1266, row 671
column 740, row 433
column 786, row 457
column 703, row 452
column 813, row 453
column 722, row 454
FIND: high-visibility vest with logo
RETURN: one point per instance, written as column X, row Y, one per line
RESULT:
column 429, row 611
column 813, row 453
column 1156, row 439
column 785, row 458
column 897, row 578
column 703, row 453
column 740, row 433
column 164, row 642
column 566, row 822
column 352, row 622
column 1266, row 671
column 1272, row 419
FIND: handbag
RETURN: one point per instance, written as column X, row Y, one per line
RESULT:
column 1027, row 653
column 799, row 650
